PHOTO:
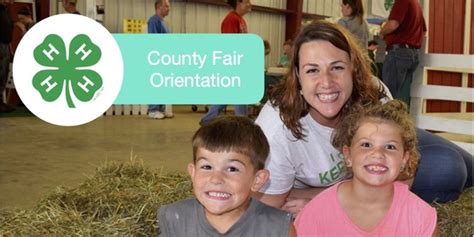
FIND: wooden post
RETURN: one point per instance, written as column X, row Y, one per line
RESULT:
column 293, row 20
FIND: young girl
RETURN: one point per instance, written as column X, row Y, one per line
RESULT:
column 379, row 144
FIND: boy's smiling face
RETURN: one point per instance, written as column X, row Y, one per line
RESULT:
column 223, row 182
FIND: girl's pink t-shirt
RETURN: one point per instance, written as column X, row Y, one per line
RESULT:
column 408, row 216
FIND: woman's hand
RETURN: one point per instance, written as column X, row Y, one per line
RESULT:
column 298, row 198
column 295, row 205
column 292, row 201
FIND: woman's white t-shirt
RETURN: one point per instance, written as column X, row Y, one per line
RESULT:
column 308, row 162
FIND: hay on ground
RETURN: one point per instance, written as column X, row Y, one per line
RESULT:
column 122, row 200
column 456, row 218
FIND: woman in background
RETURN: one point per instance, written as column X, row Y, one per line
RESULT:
column 353, row 20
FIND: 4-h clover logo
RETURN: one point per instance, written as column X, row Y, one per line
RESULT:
column 67, row 75
column 67, row 69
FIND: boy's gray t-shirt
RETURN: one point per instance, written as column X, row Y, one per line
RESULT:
column 187, row 218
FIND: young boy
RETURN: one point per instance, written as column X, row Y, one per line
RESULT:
column 379, row 145
column 228, row 165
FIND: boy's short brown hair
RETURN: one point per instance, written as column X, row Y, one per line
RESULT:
column 233, row 134
column 394, row 112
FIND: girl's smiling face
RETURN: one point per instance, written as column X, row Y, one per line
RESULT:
column 376, row 153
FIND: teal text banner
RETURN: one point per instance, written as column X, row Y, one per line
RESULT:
column 191, row 68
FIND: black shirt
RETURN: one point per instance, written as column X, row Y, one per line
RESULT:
column 6, row 25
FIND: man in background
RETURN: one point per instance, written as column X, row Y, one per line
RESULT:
column 6, row 30
column 25, row 19
column 371, row 49
column 233, row 23
column 403, row 34
column 156, row 25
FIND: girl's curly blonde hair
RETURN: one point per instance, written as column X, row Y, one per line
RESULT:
column 393, row 112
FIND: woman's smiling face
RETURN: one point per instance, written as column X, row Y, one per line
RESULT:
column 325, row 75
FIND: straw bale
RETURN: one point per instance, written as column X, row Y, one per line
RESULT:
column 123, row 199
column 456, row 218
column 120, row 199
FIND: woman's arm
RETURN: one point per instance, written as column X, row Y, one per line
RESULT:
column 307, row 193
column 298, row 198
column 435, row 232
column 274, row 200
column 292, row 201
column 292, row 230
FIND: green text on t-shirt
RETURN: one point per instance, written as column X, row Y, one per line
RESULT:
column 333, row 174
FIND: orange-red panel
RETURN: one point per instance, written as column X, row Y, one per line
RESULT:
column 446, row 26
column 457, row 26
column 471, row 51
column 446, row 35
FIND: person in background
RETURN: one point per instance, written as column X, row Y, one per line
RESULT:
column 328, row 75
column 70, row 6
column 233, row 23
column 380, row 54
column 272, row 79
column 228, row 165
column 403, row 34
column 25, row 19
column 372, row 48
column 6, row 31
column 156, row 25
column 266, row 47
column 287, row 52
column 353, row 20
column 379, row 145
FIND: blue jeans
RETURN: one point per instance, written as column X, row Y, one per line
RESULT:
column 445, row 169
column 216, row 109
column 154, row 108
column 398, row 68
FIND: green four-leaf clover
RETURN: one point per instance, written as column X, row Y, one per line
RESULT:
column 67, row 69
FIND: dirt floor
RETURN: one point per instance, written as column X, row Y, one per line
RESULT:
column 36, row 157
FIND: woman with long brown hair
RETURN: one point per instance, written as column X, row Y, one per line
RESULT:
column 330, row 73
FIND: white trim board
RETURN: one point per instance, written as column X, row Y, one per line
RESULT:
column 450, row 93
column 464, row 63
column 444, row 124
